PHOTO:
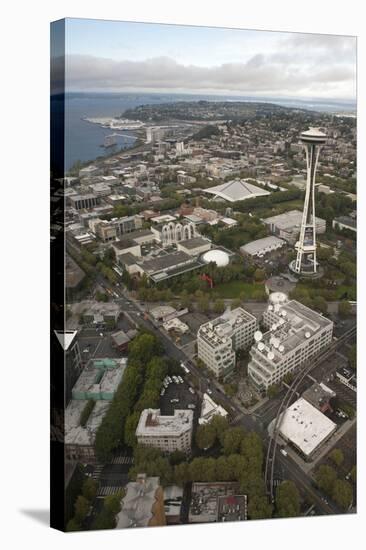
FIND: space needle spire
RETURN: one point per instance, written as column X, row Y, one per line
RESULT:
column 306, row 262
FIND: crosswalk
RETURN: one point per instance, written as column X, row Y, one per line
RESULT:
column 97, row 472
column 122, row 460
column 108, row 490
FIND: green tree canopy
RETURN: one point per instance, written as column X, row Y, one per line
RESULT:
column 89, row 488
column 232, row 440
column 342, row 493
column 259, row 508
column 205, row 436
column 81, row 508
column 287, row 500
column 325, row 478
column 336, row 456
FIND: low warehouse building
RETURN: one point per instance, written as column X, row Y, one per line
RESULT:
column 261, row 247
column 305, row 427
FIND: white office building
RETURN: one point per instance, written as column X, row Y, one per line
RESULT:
column 167, row 433
column 218, row 340
column 295, row 333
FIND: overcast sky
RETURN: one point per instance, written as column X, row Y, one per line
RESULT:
column 117, row 56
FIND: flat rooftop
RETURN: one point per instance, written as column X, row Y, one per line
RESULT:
column 165, row 262
column 76, row 434
column 205, row 500
column 217, row 331
column 99, row 380
column 138, row 503
column 289, row 220
column 152, row 423
column 318, row 395
column 295, row 323
column 347, row 220
column 260, row 245
column 305, row 426
column 196, row 242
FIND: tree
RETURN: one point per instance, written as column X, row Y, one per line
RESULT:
column 177, row 457
column 354, row 473
column 104, row 520
column 231, row 389
column 287, row 500
column 204, row 303
column 342, row 493
column 236, row 303
column 352, row 357
column 220, row 425
column 273, row 391
column 198, row 469
column 232, row 440
column 86, row 412
column 259, row 275
column 205, row 436
column 109, row 257
column 223, row 470
column 73, row 525
column 182, row 473
column 81, row 508
column 259, row 507
column 320, row 304
column 219, row 306
column 112, row 503
column 336, row 456
column 89, row 489
column 344, row 309
column 130, row 429
column 252, row 448
column 288, row 378
column 325, row 478
column 144, row 347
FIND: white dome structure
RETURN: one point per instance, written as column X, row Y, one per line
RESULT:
column 277, row 298
column 219, row 257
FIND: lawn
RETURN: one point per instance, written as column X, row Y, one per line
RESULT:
column 233, row 289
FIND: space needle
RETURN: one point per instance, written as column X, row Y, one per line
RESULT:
column 305, row 263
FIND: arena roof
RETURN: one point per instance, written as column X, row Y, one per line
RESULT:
column 236, row 190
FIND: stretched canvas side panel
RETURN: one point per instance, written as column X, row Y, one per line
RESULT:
column 58, row 337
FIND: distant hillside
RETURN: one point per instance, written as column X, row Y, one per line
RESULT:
column 205, row 110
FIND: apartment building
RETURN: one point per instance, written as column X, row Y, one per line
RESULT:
column 167, row 433
column 295, row 333
column 218, row 340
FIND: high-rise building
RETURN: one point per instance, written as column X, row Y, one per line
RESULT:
column 295, row 333
column 218, row 340
column 305, row 262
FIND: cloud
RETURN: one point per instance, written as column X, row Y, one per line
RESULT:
column 300, row 65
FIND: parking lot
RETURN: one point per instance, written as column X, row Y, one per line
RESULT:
column 184, row 397
column 343, row 392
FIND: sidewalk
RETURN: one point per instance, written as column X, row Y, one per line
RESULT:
column 308, row 466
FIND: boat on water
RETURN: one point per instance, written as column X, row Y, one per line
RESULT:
column 109, row 141
column 115, row 123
